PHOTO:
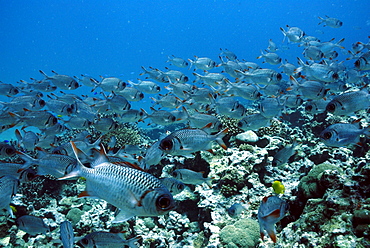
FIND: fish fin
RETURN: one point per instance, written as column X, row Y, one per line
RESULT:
column 211, row 151
column 271, row 232
column 123, row 216
column 102, row 157
column 76, row 172
column 219, row 137
column 275, row 214
column 83, row 194
column 133, row 242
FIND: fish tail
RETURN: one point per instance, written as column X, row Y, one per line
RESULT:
column 191, row 63
column 219, row 137
column 77, row 171
column 271, row 232
column 28, row 160
column 132, row 243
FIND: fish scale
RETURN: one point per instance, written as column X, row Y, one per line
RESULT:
column 135, row 192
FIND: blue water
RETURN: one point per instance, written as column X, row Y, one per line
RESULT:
column 116, row 38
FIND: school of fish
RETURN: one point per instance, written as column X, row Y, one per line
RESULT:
column 190, row 98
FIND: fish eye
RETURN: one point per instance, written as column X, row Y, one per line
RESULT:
column 10, row 151
column 173, row 118
column 357, row 63
column 16, row 91
column 174, row 174
column 335, row 75
column 158, row 88
column 240, row 124
column 84, row 241
column 164, row 202
column 279, row 76
column 181, row 187
column 327, row 135
column 186, row 79
column 308, row 108
column 166, row 144
column 330, row 107
column 42, row 103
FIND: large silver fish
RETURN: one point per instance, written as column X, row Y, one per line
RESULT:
column 349, row 102
column 331, row 22
column 32, row 225
column 108, row 240
column 343, row 134
column 134, row 192
column 62, row 81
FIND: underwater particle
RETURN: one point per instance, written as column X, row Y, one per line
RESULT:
column 278, row 187
column 243, row 234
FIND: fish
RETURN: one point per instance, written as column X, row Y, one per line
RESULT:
column 109, row 84
column 8, row 188
column 288, row 68
column 66, row 234
column 32, row 225
column 316, row 71
column 105, row 124
column 13, row 169
column 39, row 119
column 50, row 164
column 271, row 58
column 343, row 134
column 156, row 74
column 253, row 122
column 133, row 191
column 282, row 156
column 176, row 61
column 148, row 87
column 331, row 22
column 153, row 156
column 191, row 177
column 176, row 76
column 61, row 81
column 28, row 140
column 310, row 89
column 173, row 185
column 231, row 67
column 131, row 94
column 19, row 103
column 199, row 120
column 202, row 63
column 108, row 240
column 160, row 117
column 131, row 115
column 349, row 102
column 228, row 54
column 263, row 76
column 278, row 187
column 272, row 209
column 313, row 53
column 236, row 209
column 316, row 106
column 270, row 107
column 187, row 141
column 60, row 107
column 78, row 122
column 363, row 62
column 294, row 34
column 230, row 107
column 272, row 46
column 244, row 90
column 211, row 79
column 8, row 89
column 168, row 101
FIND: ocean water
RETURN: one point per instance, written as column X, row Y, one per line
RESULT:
column 115, row 38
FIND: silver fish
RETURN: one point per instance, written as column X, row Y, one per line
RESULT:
column 131, row 94
column 228, row 54
column 39, row 119
column 78, row 122
column 8, row 89
column 191, row 177
column 270, row 107
column 109, row 84
column 105, row 124
column 263, row 76
column 50, row 164
column 168, row 101
column 187, row 141
column 160, row 117
column 294, row 34
column 38, row 85
column 203, row 63
column 231, row 67
column 253, row 122
column 29, row 102
column 156, row 74
column 135, row 192
column 244, row 90
column 148, row 87
column 131, row 115
column 153, row 156
column 60, row 107
column 310, row 89
column 199, row 120
column 8, row 188
column 62, row 81
column 363, row 62
column 230, row 107
column 32, row 225
column 176, row 76
column 108, row 240
column 331, row 22
column 28, row 140
column 179, row 62
column 272, row 209
column 313, row 53
column 173, row 185
column 320, row 72
column 271, row 58
column 288, row 68
column 272, row 46
column 343, row 134
column 349, row 102
column 282, row 156
column 211, row 79
column 66, row 234
column 317, row 106
column 236, row 209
